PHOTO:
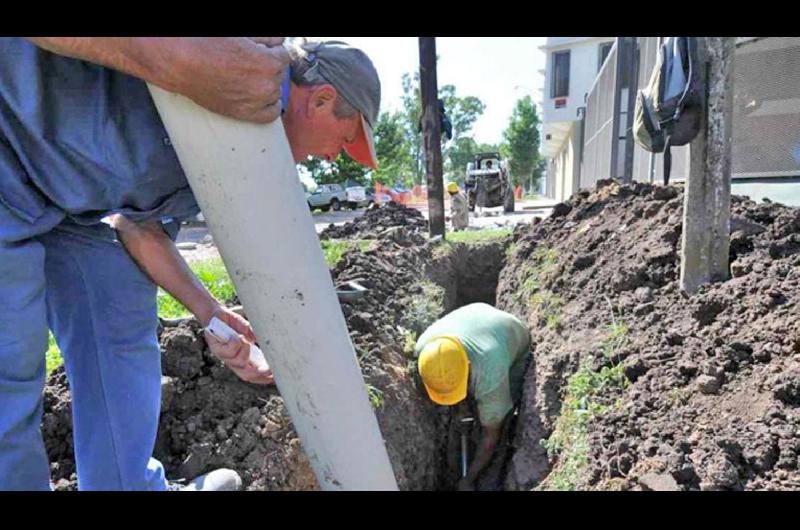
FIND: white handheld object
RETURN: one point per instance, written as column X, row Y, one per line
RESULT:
column 224, row 332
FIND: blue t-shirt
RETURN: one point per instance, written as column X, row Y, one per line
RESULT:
column 80, row 141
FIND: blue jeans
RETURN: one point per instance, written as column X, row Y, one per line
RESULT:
column 102, row 310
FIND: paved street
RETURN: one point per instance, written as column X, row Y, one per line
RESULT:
column 491, row 218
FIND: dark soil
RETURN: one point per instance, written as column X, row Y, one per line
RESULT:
column 376, row 220
column 714, row 399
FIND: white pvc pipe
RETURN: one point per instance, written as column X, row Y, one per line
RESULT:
column 245, row 181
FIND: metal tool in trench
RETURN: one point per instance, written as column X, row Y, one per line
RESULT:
column 350, row 291
column 466, row 427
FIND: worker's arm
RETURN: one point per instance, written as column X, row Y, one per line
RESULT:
column 490, row 435
column 494, row 406
column 239, row 77
column 157, row 255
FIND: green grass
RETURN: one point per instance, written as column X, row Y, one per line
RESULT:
column 617, row 337
column 212, row 274
column 549, row 307
column 425, row 308
column 375, row 397
column 469, row 237
column 335, row 249
column 478, row 236
column 678, row 396
column 589, row 394
column 548, row 304
column 409, row 342
column 53, row 356
column 544, row 262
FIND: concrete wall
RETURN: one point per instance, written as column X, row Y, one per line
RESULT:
column 566, row 166
column 783, row 190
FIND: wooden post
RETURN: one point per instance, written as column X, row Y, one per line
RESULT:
column 632, row 60
column 431, row 133
column 706, row 207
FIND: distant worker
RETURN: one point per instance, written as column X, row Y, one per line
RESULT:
column 488, row 164
column 481, row 351
column 459, row 208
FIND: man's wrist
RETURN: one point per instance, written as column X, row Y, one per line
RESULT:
column 160, row 61
column 206, row 310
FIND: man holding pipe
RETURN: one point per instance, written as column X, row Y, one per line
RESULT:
column 81, row 143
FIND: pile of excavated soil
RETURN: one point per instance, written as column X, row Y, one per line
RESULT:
column 211, row 419
column 377, row 220
column 714, row 394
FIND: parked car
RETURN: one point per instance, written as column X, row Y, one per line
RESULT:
column 356, row 196
column 327, row 196
column 384, row 197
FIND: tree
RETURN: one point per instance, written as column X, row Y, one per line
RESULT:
column 458, row 156
column 392, row 149
column 463, row 112
column 412, row 107
column 340, row 170
column 319, row 169
column 461, row 153
column 348, row 170
column 521, row 143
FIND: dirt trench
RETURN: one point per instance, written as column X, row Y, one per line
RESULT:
column 708, row 394
column 210, row 419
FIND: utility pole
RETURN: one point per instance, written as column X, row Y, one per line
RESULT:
column 706, row 207
column 431, row 133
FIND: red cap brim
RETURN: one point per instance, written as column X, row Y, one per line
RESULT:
column 363, row 149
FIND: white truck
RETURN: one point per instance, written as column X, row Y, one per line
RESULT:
column 356, row 197
column 335, row 196
column 327, row 196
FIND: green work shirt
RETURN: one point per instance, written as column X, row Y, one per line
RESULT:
column 495, row 341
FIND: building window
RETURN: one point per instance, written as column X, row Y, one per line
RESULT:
column 605, row 48
column 560, row 85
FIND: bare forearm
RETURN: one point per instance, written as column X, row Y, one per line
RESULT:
column 157, row 255
column 489, row 438
column 143, row 57
column 238, row 77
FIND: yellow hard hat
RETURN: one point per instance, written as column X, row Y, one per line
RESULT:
column 444, row 368
column 452, row 188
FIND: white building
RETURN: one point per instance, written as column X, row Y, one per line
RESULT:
column 586, row 138
column 571, row 67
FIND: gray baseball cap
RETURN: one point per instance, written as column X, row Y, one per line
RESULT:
column 353, row 75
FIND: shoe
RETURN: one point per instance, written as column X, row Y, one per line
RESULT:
column 217, row 480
